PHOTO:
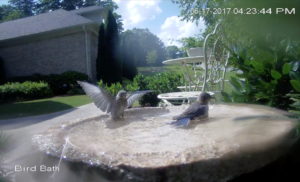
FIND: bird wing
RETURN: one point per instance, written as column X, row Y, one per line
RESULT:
column 102, row 98
column 135, row 96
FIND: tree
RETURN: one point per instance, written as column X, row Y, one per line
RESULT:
column 119, row 22
column 71, row 4
column 8, row 12
column 13, row 16
column 50, row 5
column 2, row 71
column 5, row 10
column 26, row 7
column 149, row 41
column 44, row 6
column 113, row 61
column 151, row 57
column 190, row 42
column 108, row 63
column 47, row 5
column 172, row 52
column 246, row 25
column 100, row 62
column 109, row 4
column 129, row 48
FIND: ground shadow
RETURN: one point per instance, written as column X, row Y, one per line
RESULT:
column 25, row 109
column 286, row 168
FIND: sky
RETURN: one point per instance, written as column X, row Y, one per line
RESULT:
column 159, row 16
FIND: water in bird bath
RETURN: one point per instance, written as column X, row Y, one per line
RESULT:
column 145, row 142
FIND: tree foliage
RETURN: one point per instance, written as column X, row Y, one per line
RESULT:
column 100, row 62
column 5, row 10
column 149, row 42
column 172, row 52
column 47, row 5
column 248, row 28
column 129, row 48
column 9, row 12
column 112, row 59
column 142, row 42
column 151, row 57
column 190, row 42
column 26, row 7
column 119, row 22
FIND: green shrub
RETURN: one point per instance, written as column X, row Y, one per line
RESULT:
column 269, row 76
column 24, row 91
column 113, row 88
column 75, row 90
column 295, row 109
column 59, row 84
column 125, row 82
column 296, row 104
column 159, row 83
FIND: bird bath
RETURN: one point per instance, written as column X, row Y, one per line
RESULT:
column 145, row 147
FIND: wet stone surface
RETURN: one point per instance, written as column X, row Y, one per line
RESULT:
column 145, row 147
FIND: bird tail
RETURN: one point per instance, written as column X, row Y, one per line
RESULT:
column 182, row 116
column 181, row 122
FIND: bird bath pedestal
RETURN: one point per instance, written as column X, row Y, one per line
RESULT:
column 145, row 147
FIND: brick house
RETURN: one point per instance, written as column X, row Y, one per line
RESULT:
column 52, row 43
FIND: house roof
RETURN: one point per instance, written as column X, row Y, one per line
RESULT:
column 46, row 22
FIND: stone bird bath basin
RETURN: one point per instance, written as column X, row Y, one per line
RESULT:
column 145, row 147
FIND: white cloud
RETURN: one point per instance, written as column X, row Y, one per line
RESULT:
column 134, row 12
column 175, row 29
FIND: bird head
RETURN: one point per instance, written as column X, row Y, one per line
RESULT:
column 204, row 98
column 121, row 94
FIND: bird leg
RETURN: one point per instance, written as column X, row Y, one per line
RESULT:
column 122, row 116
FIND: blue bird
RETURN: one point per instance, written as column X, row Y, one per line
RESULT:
column 198, row 109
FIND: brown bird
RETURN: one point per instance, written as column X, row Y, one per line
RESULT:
column 108, row 103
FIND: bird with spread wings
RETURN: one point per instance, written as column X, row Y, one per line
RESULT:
column 108, row 103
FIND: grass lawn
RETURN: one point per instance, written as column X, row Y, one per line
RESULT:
column 149, row 71
column 42, row 106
